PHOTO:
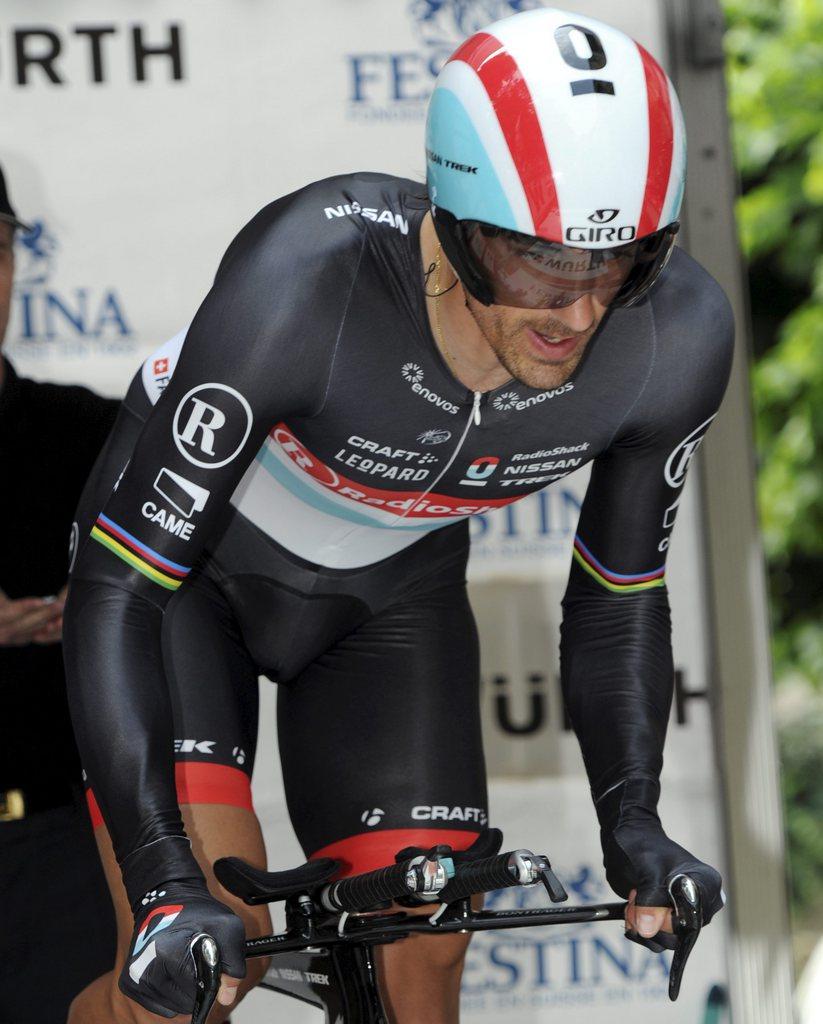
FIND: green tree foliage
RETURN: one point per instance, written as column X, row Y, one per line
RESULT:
column 775, row 76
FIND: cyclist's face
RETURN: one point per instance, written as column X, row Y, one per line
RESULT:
column 541, row 348
column 6, row 274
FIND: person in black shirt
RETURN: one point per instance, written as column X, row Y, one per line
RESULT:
column 51, row 880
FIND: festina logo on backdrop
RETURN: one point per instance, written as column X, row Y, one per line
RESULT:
column 589, row 966
column 65, row 321
column 547, row 515
column 395, row 85
column 93, row 53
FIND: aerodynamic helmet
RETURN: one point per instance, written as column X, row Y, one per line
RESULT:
column 556, row 161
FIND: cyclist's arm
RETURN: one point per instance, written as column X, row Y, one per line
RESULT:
column 616, row 656
column 245, row 364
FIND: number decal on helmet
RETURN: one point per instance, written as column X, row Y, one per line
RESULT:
column 565, row 43
column 569, row 53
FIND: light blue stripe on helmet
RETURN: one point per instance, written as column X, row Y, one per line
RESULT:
column 450, row 135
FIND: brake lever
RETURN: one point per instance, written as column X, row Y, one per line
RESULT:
column 553, row 885
column 687, row 920
column 206, row 958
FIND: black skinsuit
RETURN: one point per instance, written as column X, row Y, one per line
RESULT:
column 311, row 463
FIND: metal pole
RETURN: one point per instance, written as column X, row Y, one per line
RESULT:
column 760, row 964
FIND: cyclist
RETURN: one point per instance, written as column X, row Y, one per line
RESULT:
column 293, row 475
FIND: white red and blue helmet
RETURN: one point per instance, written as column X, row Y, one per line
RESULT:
column 555, row 125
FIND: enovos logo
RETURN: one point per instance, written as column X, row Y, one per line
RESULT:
column 211, row 425
column 677, row 464
column 412, row 373
column 505, row 401
column 511, row 400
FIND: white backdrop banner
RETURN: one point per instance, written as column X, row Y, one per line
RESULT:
column 139, row 137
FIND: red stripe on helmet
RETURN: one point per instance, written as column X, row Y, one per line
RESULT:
column 661, row 144
column 512, row 102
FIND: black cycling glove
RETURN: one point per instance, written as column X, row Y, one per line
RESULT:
column 637, row 853
column 159, row 970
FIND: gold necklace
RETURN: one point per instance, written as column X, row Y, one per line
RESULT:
column 437, row 293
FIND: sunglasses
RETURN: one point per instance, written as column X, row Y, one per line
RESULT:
column 507, row 268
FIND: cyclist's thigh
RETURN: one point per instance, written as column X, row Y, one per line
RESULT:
column 380, row 737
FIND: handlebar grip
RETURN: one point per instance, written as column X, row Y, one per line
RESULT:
column 368, row 890
column 479, row 876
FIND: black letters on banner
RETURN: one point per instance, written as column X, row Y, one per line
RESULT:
column 42, row 47
column 170, row 49
column 95, row 34
column 45, row 60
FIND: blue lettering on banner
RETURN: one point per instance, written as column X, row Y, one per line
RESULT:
column 585, row 965
column 396, row 85
column 76, row 321
column 547, row 518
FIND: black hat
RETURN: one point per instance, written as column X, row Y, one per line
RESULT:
column 7, row 214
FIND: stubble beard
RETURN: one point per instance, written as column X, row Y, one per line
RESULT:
column 512, row 348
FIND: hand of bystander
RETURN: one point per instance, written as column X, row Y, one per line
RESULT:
column 31, row 620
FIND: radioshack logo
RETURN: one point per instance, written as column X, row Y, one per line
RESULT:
column 52, row 317
column 211, row 425
column 677, row 464
column 395, row 86
column 478, row 473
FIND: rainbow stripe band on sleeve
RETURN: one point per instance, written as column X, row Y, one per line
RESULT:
column 617, row 582
column 136, row 554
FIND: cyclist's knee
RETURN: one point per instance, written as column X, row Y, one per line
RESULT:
column 102, row 1002
column 430, row 954
column 256, row 968
column 93, row 1004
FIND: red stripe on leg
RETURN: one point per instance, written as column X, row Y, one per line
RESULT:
column 94, row 809
column 370, row 850
column 198, row 783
